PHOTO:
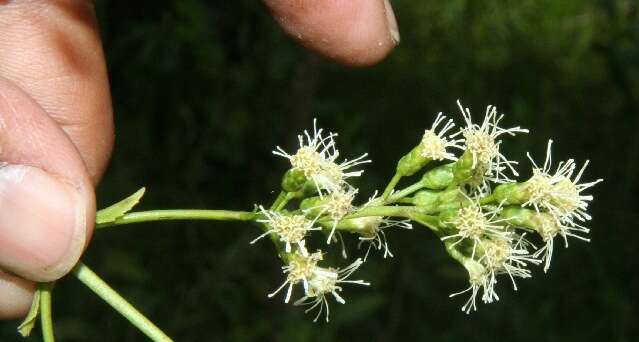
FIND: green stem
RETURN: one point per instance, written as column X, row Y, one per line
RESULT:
column 391, row 185
column 179, row 214
column 282, row 203
column 397, row 196
column 429, row 221
column 413, row 213
column 46, row 320
column 394, row 211
column 104, row 291
column 453, row 252
column 278, row 201
column 404, row 192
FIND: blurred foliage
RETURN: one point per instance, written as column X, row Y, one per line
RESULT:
column 204, row 90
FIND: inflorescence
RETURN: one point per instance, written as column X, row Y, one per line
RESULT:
column 488, row 222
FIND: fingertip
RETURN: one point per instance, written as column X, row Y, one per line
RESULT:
column 352, row 32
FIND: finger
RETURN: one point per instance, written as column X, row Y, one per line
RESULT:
column 354, row 32
column 52, row 50
column 46, row 196
column 16, row 296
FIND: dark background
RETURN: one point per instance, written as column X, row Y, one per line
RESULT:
column 204, row 90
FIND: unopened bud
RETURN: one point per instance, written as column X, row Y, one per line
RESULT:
column 293, row 180
column 439, row 177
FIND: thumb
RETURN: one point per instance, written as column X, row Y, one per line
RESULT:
column 47, row 204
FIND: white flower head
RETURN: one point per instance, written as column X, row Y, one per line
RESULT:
column 291, row 230
column 481, row 141
column 334, row 176
column 372, row 232
column 313, row 151
column 502, row 256
column 325, row 281
column 548, row 226
column 558, row 192
column 337, row 205
column 478, row 278
column 434, row 145
column 300, row 268
column 316, row 159
column 476, row 224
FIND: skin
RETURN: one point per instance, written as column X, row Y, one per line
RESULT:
column 56, row 124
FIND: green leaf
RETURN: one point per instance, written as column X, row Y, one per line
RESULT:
column 27, row 325
column 118, row 210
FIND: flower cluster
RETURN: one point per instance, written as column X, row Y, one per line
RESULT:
column 487, row 246
column 323, row 182
column 559, row 195
column 487, row 232
column 485, row 218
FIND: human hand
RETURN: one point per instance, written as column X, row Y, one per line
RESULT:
column 56, row 127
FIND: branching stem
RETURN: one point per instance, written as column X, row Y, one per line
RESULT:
column 391, row 185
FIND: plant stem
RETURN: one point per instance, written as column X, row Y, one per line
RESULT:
column 395, row 197
column 428, row 221
column 404, row 192
column 391, row 185
column 46, row 320
column 282, row 203
column 409, row 212
column 278, row 201
column 180, row 214
column 104, row 291
column 394, row 211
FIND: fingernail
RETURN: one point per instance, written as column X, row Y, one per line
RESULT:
column 392, row 22
column 42, row 223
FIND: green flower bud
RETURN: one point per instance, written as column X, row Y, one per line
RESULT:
column 436, row 201
column 519, row 216
column 312, row 204
column 426, row 199
column 545, row 224
column 293, row 180
column 511, row 193
column 439, row 177
column 365, row 226
column 309, row 188
column 412, row 162
column 432, row 147
column 463, row 170
column 446, row 217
